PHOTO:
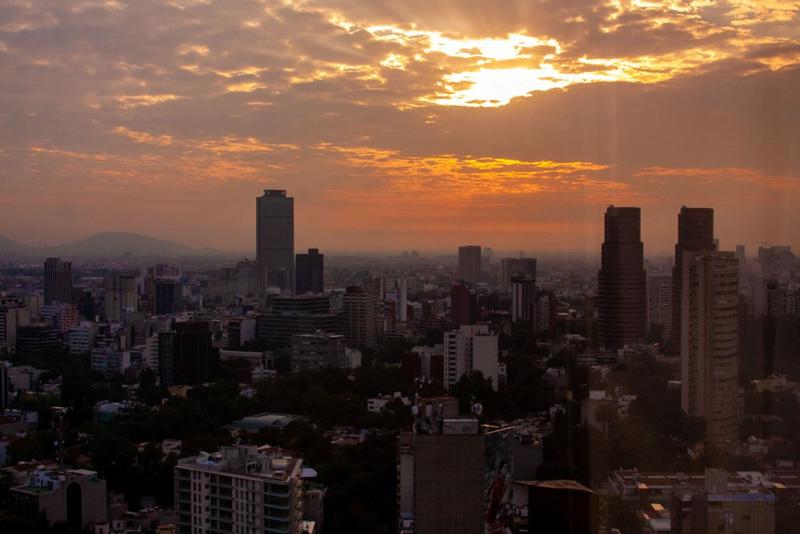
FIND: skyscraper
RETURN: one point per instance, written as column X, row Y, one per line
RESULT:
column 57, row 281
column 470, row 348
column 695, row 234
column 622, row 298
column 709, row 342
column 310, row 269
column 659, row 303
column 469, row 263
column 275, row 237
column 359, row 318
column 523, row 299
column 119, row 296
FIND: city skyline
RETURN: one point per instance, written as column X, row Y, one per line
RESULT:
column 419, row 127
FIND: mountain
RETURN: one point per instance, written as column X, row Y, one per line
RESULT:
column 109, row 244
column 9, row 246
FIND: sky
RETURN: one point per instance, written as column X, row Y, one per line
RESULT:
column 414, row 124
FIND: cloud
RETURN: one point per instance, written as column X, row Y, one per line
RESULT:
column 473, row 115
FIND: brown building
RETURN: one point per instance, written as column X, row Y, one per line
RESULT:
column 57, row 281
column 695, row 234
column 622, row 296
column 469, row 263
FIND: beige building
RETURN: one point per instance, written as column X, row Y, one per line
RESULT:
column 119, row 296
column 709, row 342
column 244, row 489
column 75, row 496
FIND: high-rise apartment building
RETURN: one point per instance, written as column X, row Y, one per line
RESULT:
column 240, row 489
column 119, row 296
column 8, row 331
column 275, row 237
column 186, row 354
column 659, row 303
column 695, row 234
column 470, row 348
column 709, row 342
column 523, row 299
column 310, row 272
column 622, row 296
column 57, row 281
column 463, row 306
column 469, row 263
column 360, row 320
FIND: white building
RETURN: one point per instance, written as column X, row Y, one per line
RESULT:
column 470, row 348
column 240, row 489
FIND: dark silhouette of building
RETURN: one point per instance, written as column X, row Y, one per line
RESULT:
column 360, row 318
column 37, row 339
column 517, row 267
column 695, row 234
column 186, row 355
column 290, row 315
column 167, row 297
column 57, row 281
column 275, row 237
column 469, row 263
column 563, row 506
column 310, row 270
column 622, row 285
column 463, row 306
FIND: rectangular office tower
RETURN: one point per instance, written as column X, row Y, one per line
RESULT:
column 695, row 234
column 275, row 237
column 186, row 354
column 310, row 270
column 469, row 263
column 709, row 342
column 57, row 281
column 622, row 285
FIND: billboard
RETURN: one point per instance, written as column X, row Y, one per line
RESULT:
column 498, row 481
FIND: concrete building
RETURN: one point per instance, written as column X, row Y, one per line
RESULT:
column 718, row 507
column 516, row 267
column 37, row 338
column 240, row 489
column 290, row 315
column 120, row 299
column 310, row 269
column 622, row 287
column 186, row 355
column 110, row 361
column 452, row 477
column 523, row 299
column 463, row 306
column 317, row 351
column 57, row 281
column 61, row 315
column 470, row 348
column 80, row 339
column 709, row 342
column 275, row 237
column 8, row 331
column 75, row 496
column 563, row 506
column 469, row 263
column 695, row 234
column 659, row 303
column 360, row 321
column 250, row 278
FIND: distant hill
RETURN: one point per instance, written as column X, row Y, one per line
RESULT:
column 9, row 246
column 109, row 244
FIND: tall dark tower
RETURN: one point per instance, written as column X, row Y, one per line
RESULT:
column 695, row 234
column 310, row 270
column 275, row 237
column 622, row 298
column 57, row 281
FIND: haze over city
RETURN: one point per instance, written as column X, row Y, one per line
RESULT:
column 398, row 125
